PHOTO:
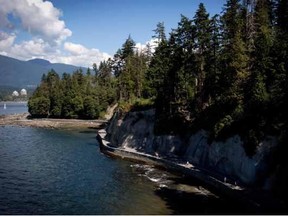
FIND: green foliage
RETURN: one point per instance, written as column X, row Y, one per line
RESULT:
column 129, row 67
column 76, row 96
column 227, row 74
column 90, row 108
column 128, row 48
column 157, row 70
column 124, row 106
column 142, row 104
column 224, row 122
column 160, row 32
column 39, row 106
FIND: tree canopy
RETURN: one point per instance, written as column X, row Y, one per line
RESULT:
column 226, row 74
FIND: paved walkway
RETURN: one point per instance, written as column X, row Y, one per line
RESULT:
column 257, row 201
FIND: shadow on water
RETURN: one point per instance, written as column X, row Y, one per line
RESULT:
column 186, row 200
column 182, row 202
column 92, row 144
column 192, row 198
column 187, row 203
column 88, row 132
column 101, row 126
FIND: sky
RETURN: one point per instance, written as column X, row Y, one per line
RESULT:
column 86, row 32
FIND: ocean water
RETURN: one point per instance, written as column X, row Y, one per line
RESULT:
column 46, row 171
column 13, row 108
column 62, row 172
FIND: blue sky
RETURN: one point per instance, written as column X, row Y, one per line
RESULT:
column 106, row 24
column 83, row 32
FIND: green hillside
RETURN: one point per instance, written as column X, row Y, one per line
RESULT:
column 23, row 74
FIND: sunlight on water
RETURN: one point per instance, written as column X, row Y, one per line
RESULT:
column 47, row 171
column 57, row 172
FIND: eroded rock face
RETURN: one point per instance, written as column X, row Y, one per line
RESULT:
column 229, row 157
column 135, row 131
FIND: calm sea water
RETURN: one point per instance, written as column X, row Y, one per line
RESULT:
column 56, row 172
column 44, row 171
column 13, row 108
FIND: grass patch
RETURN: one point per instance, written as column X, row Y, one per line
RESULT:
column 138, row 104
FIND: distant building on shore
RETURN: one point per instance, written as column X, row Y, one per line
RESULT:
column 23, row 92
column 15, row 94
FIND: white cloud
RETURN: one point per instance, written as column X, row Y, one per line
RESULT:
column 48, row 34
column 39, row 18
column 35, row 48
column 74, row 54
column 142, row 47
column 75, row 49
column 6, row 40
column 80, row 55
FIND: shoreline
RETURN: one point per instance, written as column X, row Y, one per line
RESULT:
column 20, row 101
column 23, row 120
column 253, row 200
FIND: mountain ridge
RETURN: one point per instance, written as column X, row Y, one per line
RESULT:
column 22, row 74
column 39, row 61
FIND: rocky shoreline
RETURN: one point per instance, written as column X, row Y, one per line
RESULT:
column 23, row 119
column 253, row 201
column 131, row 137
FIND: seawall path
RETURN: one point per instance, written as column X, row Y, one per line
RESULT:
column 254, row 201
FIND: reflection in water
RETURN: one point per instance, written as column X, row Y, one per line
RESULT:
column 63, row 172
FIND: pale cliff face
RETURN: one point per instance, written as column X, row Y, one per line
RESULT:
column 135, row 131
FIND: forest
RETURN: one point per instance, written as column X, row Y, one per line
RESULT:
column 226, row 74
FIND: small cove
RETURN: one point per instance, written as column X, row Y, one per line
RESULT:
column 45, row 171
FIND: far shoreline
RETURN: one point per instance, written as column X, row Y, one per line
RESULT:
column 22, row 119
column 25, row 101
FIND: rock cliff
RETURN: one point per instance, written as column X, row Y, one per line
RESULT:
column 134, row 130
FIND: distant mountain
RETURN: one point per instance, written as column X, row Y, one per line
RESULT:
column 41, row 62
column 23, row 74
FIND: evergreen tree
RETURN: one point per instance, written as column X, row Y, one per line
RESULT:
column 262, row 71
column 160, row 32
column 280, row 86
column 204, row 51
column 95, row 69
column 125, row 82
column 128, row 48
column 166, row 92
column 212, row 82
column 105, row 70
column 157, row 70
column 184, row 55
column 227, row 74
column 90, row 108
column 39, row 106
column 88, row 73
column 117, row 63
column 234, row 64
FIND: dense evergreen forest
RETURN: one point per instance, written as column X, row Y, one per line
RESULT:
column 226, row 74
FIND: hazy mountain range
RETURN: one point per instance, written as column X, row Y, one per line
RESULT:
column 25, row 74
